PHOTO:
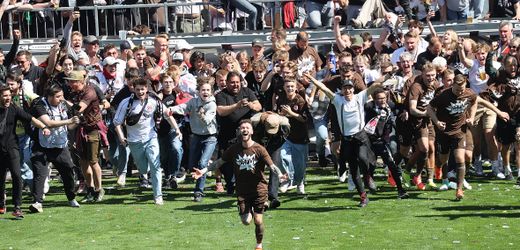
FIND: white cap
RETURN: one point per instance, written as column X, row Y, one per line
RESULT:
column 178, row 57
column 109, row 60
column 182, row 44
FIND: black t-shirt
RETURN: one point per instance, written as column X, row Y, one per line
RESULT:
column 169, row 101
column 276, row 83
column 8, row 137
column 254, row 85
column 120, row 96
column 33, row 75
column 228, row 124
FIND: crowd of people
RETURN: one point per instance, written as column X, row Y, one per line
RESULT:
column 44, row 18
column 440, row 106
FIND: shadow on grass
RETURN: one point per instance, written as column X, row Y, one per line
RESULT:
column 476, row 211
column 476, row 215
column 476, row 208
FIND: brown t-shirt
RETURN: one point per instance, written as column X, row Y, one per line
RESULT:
column 298, row 133
column 423, row 95
column 504, row 95
column 92, row 113
column 152, row 60
column 299, row 56
column 454, row 110
column 335, row 83
column 248, row 166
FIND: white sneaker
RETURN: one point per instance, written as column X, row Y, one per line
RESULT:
column 74, row 203
column 452, row 185
column 467, row 185
column 158, row 201
column 121, row 180
column 342, row 178
column 351, row 185
column 500, row 175
column 443, row 187
column 180, row 179
column 291, row 187
column 301, row 189
column 36, row 207
column 283, row 187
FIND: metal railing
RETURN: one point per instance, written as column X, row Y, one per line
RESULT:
column 170, row 17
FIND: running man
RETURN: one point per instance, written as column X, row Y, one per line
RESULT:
column 248, row 159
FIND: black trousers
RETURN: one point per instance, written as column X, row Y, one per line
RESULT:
column 355, row 150
column 381, row 148
column 10, row 160
column 62, row 161
column 274, row 181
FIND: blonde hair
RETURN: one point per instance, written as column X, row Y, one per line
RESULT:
column 174, row 72
column 243, row 55
column 454, row 39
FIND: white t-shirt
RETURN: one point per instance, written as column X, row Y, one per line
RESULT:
column 475, row 83
column 351, row 114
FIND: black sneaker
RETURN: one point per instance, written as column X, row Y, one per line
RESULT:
column 402, row 195
column 518, row 181
column 89, row 197
column 144, row 183
column 510, row 177
column 172, row 182
column 197, row 197
column 98, row 196
column 274, row 204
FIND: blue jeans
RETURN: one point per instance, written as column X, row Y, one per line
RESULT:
column 249, row 9
column 146, row 154
column 171, row 153
column 322, row 134
column 457, row 15
column 294, row 160
column 201, row 150
column 118, row 154
column 24, row 142
column 315, row 15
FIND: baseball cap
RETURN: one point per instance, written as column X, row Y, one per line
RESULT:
column 125, row 45
column 109, row 60
column 358, row 41
column 347, row 82
column 90, row 39
column 272, row 123
column 178, row 57
column 182, row 44
column 75, row 75
column 257, row 42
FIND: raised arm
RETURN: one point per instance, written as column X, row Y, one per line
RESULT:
column 266, row 83
column 462, row 55
column 9, row 58
column 321, row 86
column 342, row 45
column 429, row 22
